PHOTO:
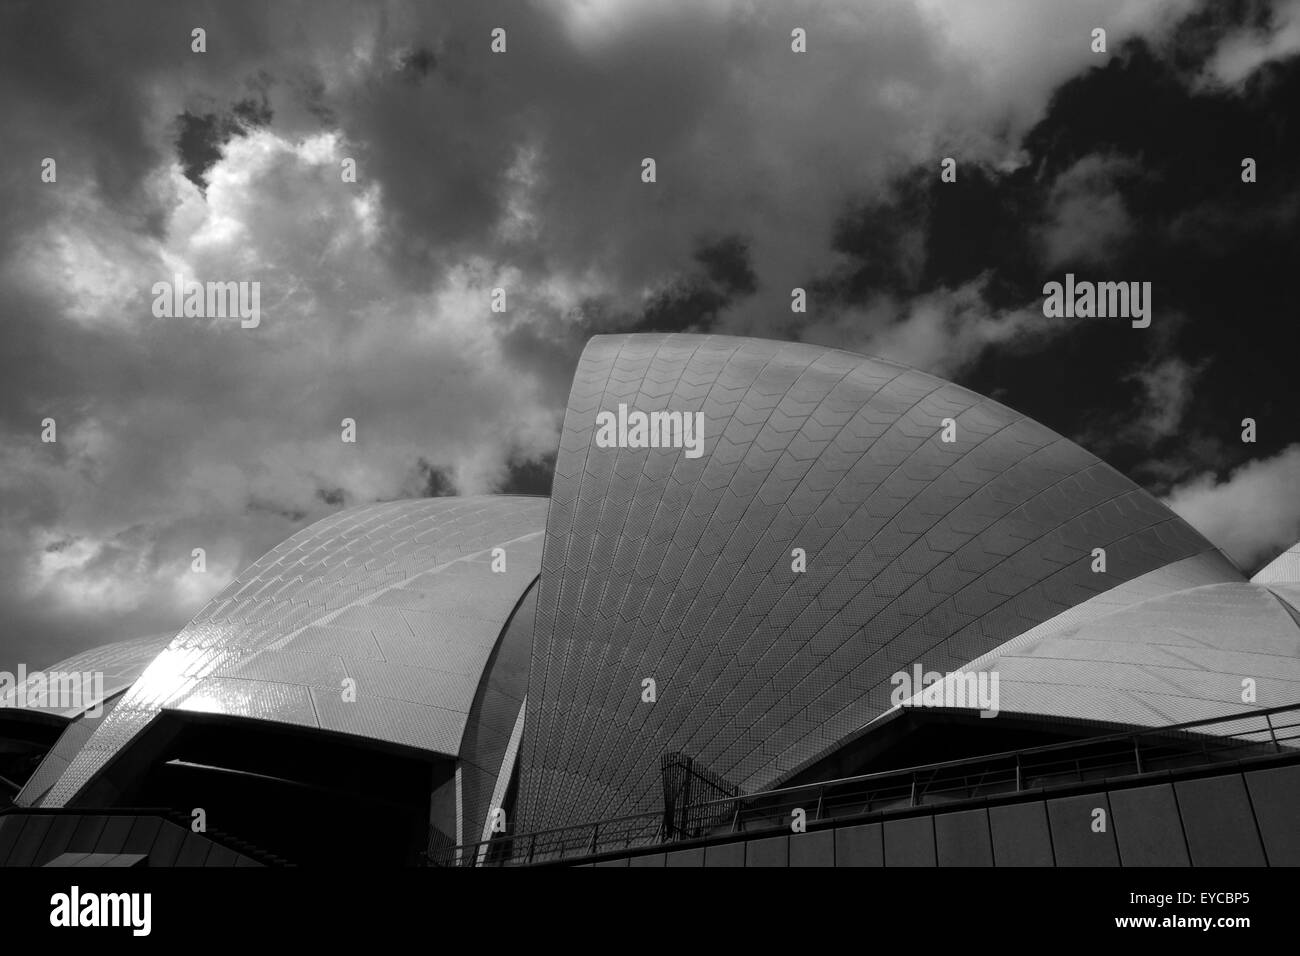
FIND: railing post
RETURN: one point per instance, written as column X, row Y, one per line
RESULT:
column 821, row 798
column 913, row 789
column 1137, row 753
column 595, row 834
column 1272, row 733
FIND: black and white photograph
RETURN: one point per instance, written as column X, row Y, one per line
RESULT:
column 551, row 434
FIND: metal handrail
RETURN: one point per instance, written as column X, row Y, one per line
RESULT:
column 1124, row 736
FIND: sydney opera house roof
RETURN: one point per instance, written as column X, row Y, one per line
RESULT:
column 118, row 665
column 918, row 550
column 849, row 518
column 406, row 601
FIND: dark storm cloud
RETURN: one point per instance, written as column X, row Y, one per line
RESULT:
column 201, row 137
column 691, row 299
column 418, row 64
column 1220, row 254
column 435, row 482
column 522, row 171
column 530, row 476
column 78, row 83
column 1133, row 174
column 694, row 302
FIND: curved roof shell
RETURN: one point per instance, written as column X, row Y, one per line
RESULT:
column 1154, row 659
column 847, row 519
column 117, row 664
column 400, row 599
column 102, row 674
column 659, row 566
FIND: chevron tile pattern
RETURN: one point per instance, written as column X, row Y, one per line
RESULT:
column 658, row 566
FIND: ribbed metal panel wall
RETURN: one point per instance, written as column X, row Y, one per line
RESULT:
column 661, row 566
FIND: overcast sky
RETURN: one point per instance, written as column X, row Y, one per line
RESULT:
column 522, row 170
